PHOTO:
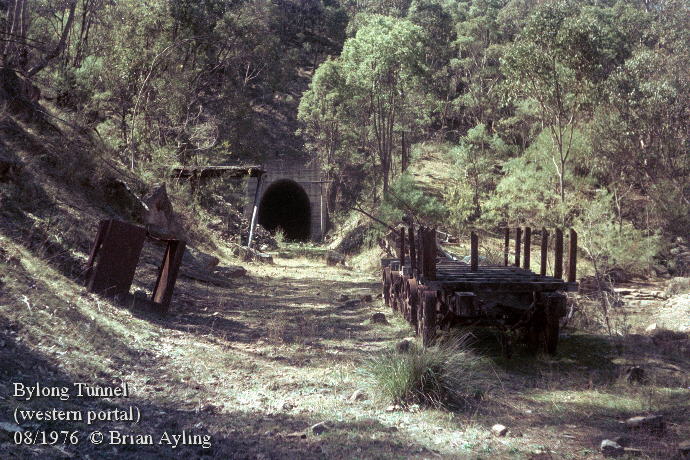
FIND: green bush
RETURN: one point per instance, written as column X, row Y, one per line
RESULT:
column 445, row 375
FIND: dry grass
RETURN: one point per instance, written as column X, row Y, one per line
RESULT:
column 277, row 352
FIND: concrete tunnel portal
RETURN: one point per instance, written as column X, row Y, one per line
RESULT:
column 285, row 205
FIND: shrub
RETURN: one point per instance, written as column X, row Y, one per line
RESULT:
column 448, row 374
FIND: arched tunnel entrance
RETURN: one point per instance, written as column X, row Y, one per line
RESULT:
column 286, row 205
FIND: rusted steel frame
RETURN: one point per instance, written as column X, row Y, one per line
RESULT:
column 528, row 247
column 413, row 250
column 572, row 256
column 167, row 275
column 518, row 243
column 544, row 251
column 474, row 251
column 115, row 256
column 402, row 248
column 506, row 246
column 100, row 234
column 558, row 255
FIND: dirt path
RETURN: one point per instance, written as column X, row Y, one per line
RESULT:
column 255, row 364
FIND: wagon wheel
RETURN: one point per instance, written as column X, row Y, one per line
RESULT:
column 395, row 292
column 386, row 285
column 428, row 324
column 404, row 295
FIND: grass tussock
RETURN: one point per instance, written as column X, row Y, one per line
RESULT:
column 448, row 375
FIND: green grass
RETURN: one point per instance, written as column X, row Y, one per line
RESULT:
column 446, row 375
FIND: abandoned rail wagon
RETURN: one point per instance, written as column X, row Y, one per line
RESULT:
column 433, row 289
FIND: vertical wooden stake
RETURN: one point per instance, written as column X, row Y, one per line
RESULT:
column 420, row 252
column 424, row 252
column 413, row 250
column 518, row 243
column 544, row 251
column 506, row 246
column 572, row 257
column 474, row 252
column 528, row 248
column 402, row 248
column 558, row 259
column 432, row 253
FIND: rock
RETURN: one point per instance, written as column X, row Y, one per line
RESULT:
column 251, row 254
column 199, row 260
column 499, row 430
column 651, row 328
column 379, row 318
column 650, row 423
column 366, row 298
column 160, row 215
column 635, row 375
column 297, row 434
column 287, row 406
column 393, row 408
column 333, row 258
column 617, row 275
column 231, row 271
column 611, row 448
column 358, row 395
column 319, row 428
column 343, row 298
column 684, row 449
column 350, row 303
column 622, row 440
column 404, row 346
column 678, row 285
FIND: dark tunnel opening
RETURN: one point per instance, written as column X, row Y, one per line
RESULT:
column 286, row 205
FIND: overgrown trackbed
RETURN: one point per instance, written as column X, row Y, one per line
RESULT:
column 257, row 362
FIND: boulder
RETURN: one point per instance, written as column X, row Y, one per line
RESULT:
column 635, row 375
column 333, row 258
column 350, row 303
column 319, row 428
column 379, row 318
column 611, row 448
column 358, row 395
column 499, row 430
column 404, row 346
column 651, row 423
column 160, row 217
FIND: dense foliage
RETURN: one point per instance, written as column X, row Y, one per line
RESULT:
column 540, row 108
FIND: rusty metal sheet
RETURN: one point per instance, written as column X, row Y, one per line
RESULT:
column 114, row 257
column 167, row 275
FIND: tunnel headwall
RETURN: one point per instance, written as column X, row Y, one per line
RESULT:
column 277, row 189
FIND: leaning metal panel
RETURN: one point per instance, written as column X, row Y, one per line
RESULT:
column 116, row 255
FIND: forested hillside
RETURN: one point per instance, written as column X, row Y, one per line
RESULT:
column 558, row 112
column 465, row 117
